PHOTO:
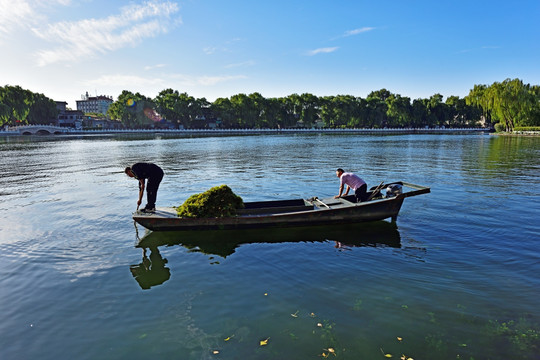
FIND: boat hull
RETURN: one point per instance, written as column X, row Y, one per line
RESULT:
column 288, row 213
column 164, row 219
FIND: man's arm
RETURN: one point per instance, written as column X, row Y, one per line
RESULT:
column 141, row 192
column 340, row 191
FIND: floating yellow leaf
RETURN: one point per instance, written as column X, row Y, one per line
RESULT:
column 264, row 342
column 228, row 338
column 319, row 324
column 330, row 351
column 385, row 355
column 312, row 314
column 215, row 352
column 295, row 315
column 325, row 355
column 399, row 338
column 265, row 294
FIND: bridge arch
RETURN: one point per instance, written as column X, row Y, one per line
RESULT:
column 43, row 132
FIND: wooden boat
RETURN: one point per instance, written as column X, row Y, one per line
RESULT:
column 288, row 213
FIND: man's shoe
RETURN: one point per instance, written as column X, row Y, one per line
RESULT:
column 148, row 211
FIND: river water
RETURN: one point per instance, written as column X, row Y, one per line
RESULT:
column 457, row 276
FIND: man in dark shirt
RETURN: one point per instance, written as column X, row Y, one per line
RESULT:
column 154, row 174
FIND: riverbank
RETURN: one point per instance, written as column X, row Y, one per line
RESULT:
column 44, row 130
column 520, row 133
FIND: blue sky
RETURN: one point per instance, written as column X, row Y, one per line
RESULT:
column 216, row 48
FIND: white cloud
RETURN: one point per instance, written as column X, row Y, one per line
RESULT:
column 225, row 47
column 322, row 50
column 24, row 13
column 125, row 81
column 353, row 32
column 151, row 67
column 134, row 82
column 357, row 31
column 209, row 50
column 213, row 80
column 206, row 80
column 240, row 64
column 86, row 38
column 13, row 13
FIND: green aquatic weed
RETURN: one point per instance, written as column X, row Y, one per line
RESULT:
column 357, row 305
column 219, row 201
column 521, row 334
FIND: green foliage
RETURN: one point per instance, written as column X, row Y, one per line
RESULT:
column 527, row 128
column 218, row 201
column 180, row 108
column 133, row 110
column 500, row 127
column 511, row 103
column 19, row 107
column 520, row 334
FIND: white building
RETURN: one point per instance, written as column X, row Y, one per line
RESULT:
column 94, row 104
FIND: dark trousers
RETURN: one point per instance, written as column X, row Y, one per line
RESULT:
column 361, row 193
column 151, row 189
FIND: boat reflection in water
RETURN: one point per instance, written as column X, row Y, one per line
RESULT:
column 152, row 270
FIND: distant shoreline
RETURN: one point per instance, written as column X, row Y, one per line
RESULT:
column 253, row 131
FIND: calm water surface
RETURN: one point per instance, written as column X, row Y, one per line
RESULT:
column 457, row 276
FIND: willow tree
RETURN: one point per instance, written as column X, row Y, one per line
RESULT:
column 478, row 97
column 510, row 102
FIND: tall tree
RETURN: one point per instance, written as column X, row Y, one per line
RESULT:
column 133, row 110
column 42, row 110
column 223, row 109
column 18, row 101
column 399, row 110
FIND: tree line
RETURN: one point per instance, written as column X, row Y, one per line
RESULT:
column 506, row 105
column 20, row 107
column 380, row 109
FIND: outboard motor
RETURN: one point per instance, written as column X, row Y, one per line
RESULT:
column 393, row 190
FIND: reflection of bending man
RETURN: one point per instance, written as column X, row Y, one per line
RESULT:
column 151, row 271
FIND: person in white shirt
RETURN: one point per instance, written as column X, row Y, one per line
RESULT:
column 352, row 181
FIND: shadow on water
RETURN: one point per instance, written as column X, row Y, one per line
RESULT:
column 152, row 270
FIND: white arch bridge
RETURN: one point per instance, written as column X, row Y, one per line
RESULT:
column 40, row 130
